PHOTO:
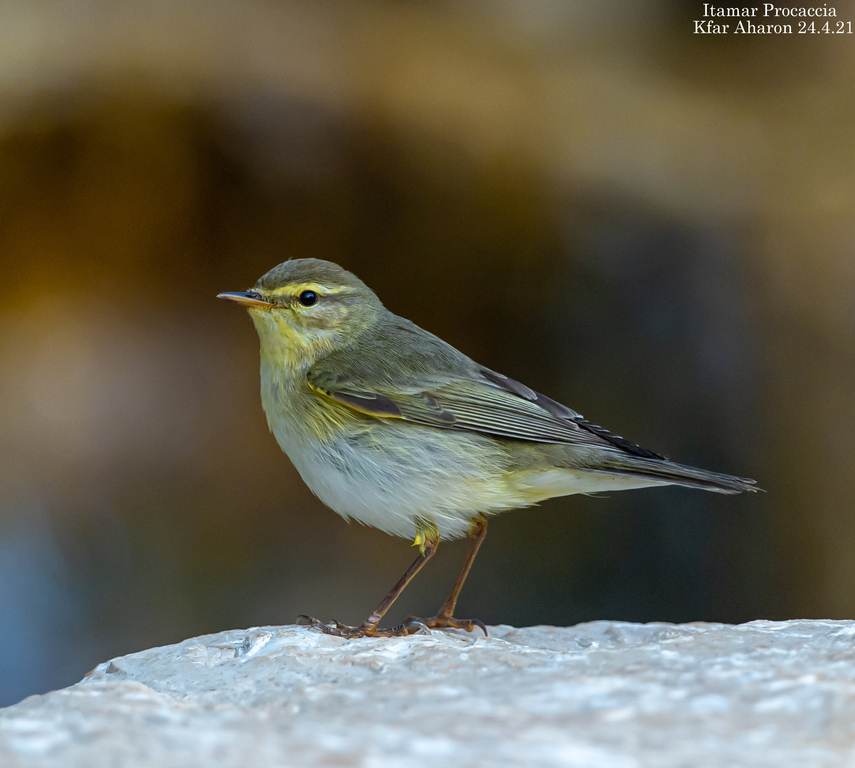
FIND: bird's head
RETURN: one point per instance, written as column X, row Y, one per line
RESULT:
column 305, row 308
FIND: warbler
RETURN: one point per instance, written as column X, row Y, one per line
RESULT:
column 393, row 427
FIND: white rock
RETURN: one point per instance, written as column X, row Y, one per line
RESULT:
column 600, row 695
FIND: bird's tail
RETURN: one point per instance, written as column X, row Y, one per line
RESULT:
column 667, row 472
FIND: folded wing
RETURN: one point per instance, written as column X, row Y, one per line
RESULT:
column 489, row 403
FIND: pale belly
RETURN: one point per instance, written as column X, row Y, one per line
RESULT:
column 444, row 478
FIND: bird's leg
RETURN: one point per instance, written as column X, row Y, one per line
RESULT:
column 445, row 616
column 427, row 540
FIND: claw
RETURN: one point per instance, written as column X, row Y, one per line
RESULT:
column 481, row 625
column 416, row 625
column 441, row 621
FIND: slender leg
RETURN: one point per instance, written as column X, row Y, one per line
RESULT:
column 369, row 627
column 445, row 616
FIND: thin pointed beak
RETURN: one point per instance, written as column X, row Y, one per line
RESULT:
column 250, row 299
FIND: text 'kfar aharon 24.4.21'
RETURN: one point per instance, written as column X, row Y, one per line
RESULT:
column 771, row 19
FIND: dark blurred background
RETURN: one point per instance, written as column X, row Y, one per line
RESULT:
column 654, row 227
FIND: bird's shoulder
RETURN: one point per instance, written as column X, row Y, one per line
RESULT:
column 396, row 357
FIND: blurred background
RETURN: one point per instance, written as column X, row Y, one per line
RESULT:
column 655, row 227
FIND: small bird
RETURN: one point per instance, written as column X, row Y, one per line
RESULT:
column 393, row 427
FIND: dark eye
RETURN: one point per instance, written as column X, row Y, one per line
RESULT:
column 308, row 298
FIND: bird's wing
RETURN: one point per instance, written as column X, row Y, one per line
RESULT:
column 466, row 398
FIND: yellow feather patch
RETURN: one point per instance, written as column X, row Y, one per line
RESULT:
column 295, row 289
column 425, row 530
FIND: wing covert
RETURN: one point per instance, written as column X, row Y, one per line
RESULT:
column 477, row 405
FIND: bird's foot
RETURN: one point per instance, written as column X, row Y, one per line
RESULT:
column 336, row 629
column 443, row 621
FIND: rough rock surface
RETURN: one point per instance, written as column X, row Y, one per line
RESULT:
column 601, row 694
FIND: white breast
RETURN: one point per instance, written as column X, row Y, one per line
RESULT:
column 412, row 473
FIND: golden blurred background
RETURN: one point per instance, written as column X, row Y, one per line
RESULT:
column 655, row 227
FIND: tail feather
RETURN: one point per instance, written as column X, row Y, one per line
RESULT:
column 677, row 474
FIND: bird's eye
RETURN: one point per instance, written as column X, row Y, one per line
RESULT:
column 308, row 298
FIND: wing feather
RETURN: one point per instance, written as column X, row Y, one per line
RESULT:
column 488, row 403
column 403, row 372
